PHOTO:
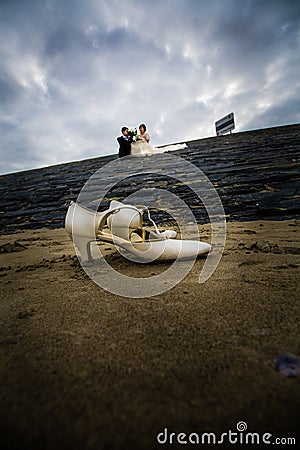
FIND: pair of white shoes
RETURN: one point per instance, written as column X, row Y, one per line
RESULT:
column 122, row 225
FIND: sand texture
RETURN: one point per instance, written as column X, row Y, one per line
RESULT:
column 84, row 369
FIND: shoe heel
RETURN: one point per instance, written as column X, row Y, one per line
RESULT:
column 83, row 245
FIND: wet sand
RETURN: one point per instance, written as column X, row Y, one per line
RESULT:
column 85, row 369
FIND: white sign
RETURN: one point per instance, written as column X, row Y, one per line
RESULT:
column 225, row 124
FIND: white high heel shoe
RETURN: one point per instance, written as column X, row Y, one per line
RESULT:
column 125, row 230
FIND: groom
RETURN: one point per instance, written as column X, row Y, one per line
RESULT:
column 124, row 143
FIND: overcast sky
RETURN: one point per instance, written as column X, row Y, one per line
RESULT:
column 72, row 72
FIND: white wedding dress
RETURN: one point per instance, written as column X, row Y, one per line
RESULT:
column 141, row 147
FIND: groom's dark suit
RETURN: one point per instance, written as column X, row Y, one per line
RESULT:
column 125, row 146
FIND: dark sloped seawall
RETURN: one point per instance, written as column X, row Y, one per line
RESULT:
column 255, row 173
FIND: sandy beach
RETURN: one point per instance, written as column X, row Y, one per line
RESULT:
column 85, row 369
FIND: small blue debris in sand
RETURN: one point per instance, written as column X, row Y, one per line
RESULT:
column 287, row 365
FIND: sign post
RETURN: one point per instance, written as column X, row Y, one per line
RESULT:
column 225, row 124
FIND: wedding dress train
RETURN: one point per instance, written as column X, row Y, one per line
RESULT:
column 143, row 148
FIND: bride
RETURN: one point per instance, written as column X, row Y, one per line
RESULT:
column 141, row 146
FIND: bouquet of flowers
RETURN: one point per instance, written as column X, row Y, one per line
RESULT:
column 132, row 133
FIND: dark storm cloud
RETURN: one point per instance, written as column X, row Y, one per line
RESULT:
column 73, row 72
column 287, row 110
column 9, row 90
